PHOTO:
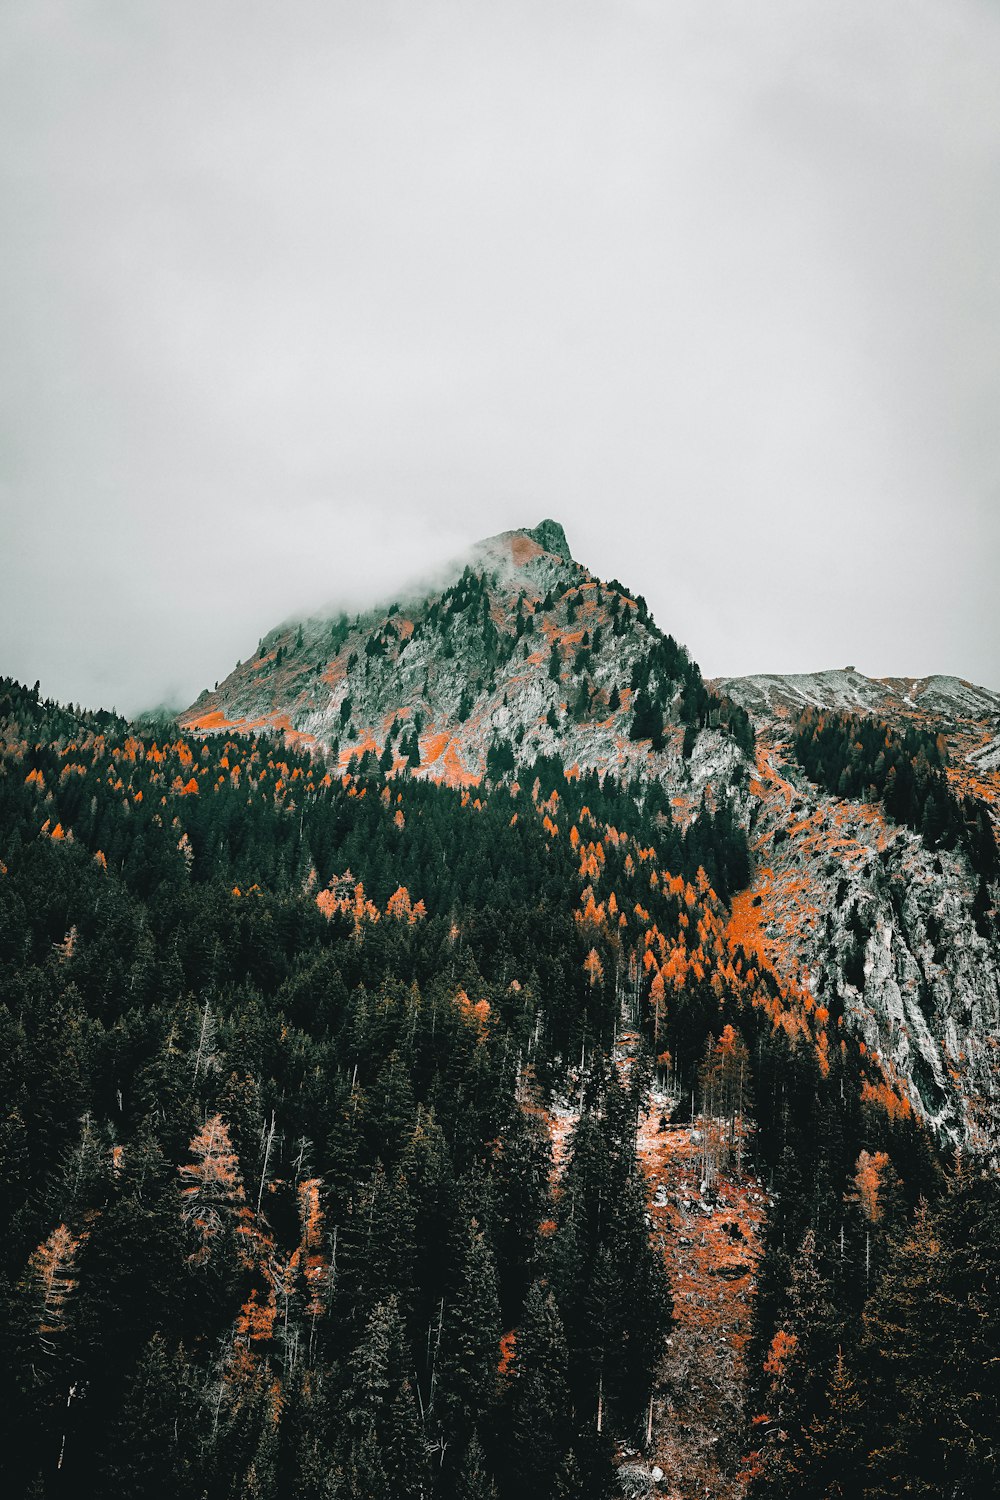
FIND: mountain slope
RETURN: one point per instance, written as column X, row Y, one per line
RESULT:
column 882, row 918
column 521, row 652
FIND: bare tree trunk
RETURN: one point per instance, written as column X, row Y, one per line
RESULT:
column 62, row 1446
column 267, row 1156
column 201, row 1040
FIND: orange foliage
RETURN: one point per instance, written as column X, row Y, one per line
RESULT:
column 867, row 1182
column 342, row 898
column 432, row 748
column 256, row 1319
column 507, row 1347
column 783, row 1346
column 896, row 1105
column 399, row 906
column 212, row 1188
column 53, row 1269
column 477, row 1015
column 593, row 968
column 313, row 1266
column 214, row 719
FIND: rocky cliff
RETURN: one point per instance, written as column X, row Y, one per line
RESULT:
column 881, row 924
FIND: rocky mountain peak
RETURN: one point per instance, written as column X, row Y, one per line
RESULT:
column 551, row 536
column 516, row 651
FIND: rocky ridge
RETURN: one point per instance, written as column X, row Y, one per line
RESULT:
column 950, row 698
column 518, row 645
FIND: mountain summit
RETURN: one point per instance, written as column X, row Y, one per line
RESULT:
column 551, row 536
column 523, row 652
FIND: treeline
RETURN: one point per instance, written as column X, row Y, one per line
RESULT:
column 668, row 687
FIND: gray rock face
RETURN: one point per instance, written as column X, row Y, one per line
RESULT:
column 551, row 536
column 950, row 699
column 891, row 934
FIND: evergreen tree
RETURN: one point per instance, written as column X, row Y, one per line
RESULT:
column 385, row 1448
column 540, row 1421
column 465, row 1385
column 154, row 1445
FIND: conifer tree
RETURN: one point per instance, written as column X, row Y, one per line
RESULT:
column 385, row 1449
column 465, row 1375
column 540, row 1422
column 153, row 1444
column 474, row 1480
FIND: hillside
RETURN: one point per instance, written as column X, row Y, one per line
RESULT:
column 471, row 1057
column 521, row 652
column 885, row 920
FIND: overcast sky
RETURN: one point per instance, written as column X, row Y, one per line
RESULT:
column 297, row 299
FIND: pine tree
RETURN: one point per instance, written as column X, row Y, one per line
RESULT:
column 474, row 1481
column 153, row 1445
column 831, row 1460
column 798, row 1362
column 902, row 1352
column 540, row 1422
column 465, row 1384
column 386, row 1452
column 520, row 1179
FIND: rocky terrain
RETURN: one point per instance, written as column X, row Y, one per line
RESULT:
column 877, row 922
column 517, row 645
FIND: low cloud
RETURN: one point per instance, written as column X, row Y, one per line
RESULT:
column 298, row 304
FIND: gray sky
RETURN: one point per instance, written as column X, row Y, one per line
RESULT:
column 297, row 299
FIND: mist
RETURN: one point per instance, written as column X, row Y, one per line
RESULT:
column 299, row 302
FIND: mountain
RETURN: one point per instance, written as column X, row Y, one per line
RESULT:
column 950, row 698
column 474, row 1056
column 519, row 646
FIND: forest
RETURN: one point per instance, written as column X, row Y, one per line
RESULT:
column 280, row 1212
